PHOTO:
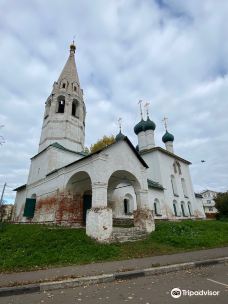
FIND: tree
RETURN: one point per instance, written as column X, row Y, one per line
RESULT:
column 221, row 204
column 102, row 143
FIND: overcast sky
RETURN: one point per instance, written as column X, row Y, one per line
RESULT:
column 173, row 53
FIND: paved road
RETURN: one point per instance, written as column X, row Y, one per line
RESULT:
column 146, row 290
column 19, row 278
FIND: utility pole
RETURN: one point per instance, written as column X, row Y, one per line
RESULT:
column 3, row 190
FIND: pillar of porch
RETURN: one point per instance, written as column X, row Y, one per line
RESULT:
column 143, row 216
column 99, row 217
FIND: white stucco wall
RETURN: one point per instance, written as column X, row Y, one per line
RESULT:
column 19, row 205
column 160, row 170
column 48, row 161
column 100, row 167
column 123, row 191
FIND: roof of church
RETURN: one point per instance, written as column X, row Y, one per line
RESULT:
column 167, row 137
column 198, row 195
column 167, row 153
column 208, row 190
column 153, row 184
column 123, row 139
column 20, row 187
column 58, row 146
column 69, row 71
column 99, row 151
column 119, row 136
column 149, row 125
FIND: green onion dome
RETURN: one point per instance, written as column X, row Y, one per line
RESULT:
column 139, row 127
column 167, row 137
column 120, row 136
column 149, row 125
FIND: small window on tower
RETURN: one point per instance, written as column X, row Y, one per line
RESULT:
column 61, row 104
column 64, row 86
column 75, row 108
column 75, row 88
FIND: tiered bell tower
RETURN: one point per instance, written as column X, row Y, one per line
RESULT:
column 64, row 117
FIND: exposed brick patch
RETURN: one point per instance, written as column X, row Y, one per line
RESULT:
column 62, row 208
column 46, row 204
column 70, row 209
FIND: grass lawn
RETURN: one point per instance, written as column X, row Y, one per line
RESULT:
column 27, row 247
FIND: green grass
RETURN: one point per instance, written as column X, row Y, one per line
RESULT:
column 27, row 247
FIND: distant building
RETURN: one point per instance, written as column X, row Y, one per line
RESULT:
column 6, row 212
column 208, row 197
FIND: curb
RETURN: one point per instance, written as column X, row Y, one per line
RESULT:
column 104, row 278
column 10, row 291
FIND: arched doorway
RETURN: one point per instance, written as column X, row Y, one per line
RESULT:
column 128, row 204
column 79, row 189
column 123, row 198
column 142, row 215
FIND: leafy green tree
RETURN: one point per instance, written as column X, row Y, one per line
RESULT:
column 221, row 204
column 102, row 143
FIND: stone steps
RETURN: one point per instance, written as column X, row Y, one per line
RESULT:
column 123, row 221
column 122, row 235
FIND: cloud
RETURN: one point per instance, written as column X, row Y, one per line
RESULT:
column 173, row 53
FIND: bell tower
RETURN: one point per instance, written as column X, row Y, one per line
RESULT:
column 64, row 116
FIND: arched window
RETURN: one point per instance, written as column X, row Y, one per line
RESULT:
column 175, row 208
column 190, row 208
column 179, row 167
column 183, row 210
column 126, row 206
column 63, row 84
column 174, row 186
column 157, row 207
column 184, row 188
column 75, row 108
column 74, row 86
column 175, row 167
column 61, row 104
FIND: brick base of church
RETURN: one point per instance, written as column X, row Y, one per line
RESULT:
column 61, row 209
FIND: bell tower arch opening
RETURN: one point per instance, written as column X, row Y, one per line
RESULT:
column 79, row 187
column 61, row 104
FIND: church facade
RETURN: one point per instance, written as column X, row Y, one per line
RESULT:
column 66, row 186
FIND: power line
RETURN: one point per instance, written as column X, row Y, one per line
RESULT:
column 2, row 195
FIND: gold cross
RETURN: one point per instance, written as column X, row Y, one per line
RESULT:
column 120, row 123
column 165, row 119
column 147, row 107
column 140, row 105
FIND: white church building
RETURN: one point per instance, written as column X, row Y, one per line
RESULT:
column 66, row 186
